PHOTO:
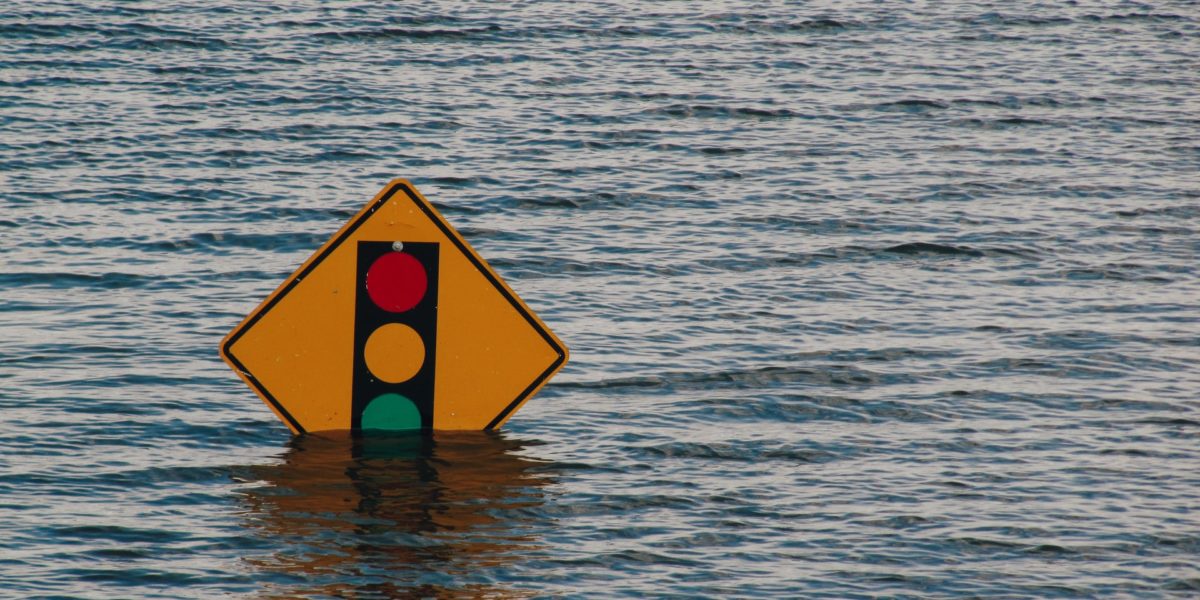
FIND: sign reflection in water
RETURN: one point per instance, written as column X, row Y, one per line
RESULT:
column 392, row 515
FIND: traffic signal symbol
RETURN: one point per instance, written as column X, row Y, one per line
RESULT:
column 316, row 352
column 395, row 335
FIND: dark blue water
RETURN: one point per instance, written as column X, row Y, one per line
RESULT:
column 863, row 301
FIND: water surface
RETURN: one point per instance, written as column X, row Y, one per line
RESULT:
column 863, row 301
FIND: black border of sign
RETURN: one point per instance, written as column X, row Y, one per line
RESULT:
column 454, row 237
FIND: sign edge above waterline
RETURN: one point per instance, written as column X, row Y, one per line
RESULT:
column 397, row 190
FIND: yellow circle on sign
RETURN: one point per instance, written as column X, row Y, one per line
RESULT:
column 394, row 353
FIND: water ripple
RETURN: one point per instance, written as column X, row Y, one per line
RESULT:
column 861, row 302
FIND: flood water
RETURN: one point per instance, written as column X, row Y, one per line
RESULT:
column 862, row 301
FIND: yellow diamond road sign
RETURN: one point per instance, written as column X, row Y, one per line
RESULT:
column 395, row 323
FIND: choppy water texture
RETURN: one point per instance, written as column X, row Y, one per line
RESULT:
column 863, row 301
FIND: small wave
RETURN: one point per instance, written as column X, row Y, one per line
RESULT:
column 1184, row 584
column 801, row 408
column 1001, row 124
column 191, row 42
column 820, row 25
column 64, row 280
column 391, row 33
column 916, row 248
column 599, row 200
column 33, row 30
column 717, row 151
column 1177, row 421
column 1174, row 211
column 710, row 111
column 1136, row 17
column 465, row 182
column 537, row 266
column 739, row 451
column 770, row 376
column 117, row 533
column 1042, row 101
column 1109, row 272
column 911, row 106
column 993, row 18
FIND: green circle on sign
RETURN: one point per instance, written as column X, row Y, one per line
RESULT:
column 391, row 412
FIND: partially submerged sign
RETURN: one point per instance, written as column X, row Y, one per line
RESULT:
column 395, row 323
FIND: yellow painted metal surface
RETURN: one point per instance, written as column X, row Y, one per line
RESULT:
column 394, row 353
column 296, row 350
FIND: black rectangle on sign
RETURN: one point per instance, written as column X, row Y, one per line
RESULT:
column 370, row 314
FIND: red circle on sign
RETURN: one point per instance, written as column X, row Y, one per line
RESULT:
column 396, row 282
